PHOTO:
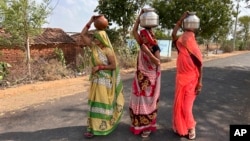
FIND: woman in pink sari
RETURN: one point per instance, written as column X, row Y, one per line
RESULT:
column 146, row 84
column 188, row 80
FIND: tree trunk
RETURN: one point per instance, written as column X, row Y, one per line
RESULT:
column 28, row 57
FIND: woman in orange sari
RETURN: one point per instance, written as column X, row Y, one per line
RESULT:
column 146, row 85
column 188, row 80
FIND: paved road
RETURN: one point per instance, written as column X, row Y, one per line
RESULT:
column 223, row 101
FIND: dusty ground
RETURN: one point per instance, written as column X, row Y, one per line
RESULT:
column 20, row 97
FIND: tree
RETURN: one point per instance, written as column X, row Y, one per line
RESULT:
column 214, row 15
column 244, row 22
column 121, row 12
column 160, row 35
column 22, row 20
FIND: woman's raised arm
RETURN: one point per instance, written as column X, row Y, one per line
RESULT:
column 84, row 32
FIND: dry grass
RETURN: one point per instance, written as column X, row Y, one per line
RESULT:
column 41, row 70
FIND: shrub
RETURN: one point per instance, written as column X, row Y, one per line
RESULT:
column 83, row 66
column 60, row 56
column 42, row 69
column 127, row 54
column 226, row 47
column 4, row 69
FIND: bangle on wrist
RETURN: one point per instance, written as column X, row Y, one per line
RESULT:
column 101, row 67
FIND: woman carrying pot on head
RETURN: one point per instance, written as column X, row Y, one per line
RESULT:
column 188, row 79
column 146, row 85
column 105, row 99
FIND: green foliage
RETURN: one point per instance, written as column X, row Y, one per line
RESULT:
column 214, row 15
column 247, row 45
column 114, row 36
column 244, row 22
column 23, row 19
column 160, row 35
column 4, row 69
column 60, row 56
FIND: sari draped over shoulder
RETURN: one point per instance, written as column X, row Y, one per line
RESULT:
column 106, row 101
column 186, row 80
column 145, row 95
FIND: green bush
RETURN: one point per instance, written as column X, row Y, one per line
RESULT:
column 4, row 69
column 60, row 56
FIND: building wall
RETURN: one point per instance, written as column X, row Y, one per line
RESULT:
column 16, row 55
column 165, row 46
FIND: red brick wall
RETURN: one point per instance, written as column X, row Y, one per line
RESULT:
column 12, row 55
column 16, row 55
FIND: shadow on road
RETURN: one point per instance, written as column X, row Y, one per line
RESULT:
column 223, row 101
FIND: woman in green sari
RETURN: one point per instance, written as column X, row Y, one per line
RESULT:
column 106, row 101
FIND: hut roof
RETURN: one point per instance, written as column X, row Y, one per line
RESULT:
column 52, row 36
column 78, row 39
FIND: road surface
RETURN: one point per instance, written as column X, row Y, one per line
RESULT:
column 224, row 100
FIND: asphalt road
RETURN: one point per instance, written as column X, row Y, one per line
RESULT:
column 224, row 100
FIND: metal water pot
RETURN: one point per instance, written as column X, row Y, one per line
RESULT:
column 191, row 22
column 149, row 18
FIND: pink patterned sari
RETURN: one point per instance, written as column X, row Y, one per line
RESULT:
column 145, row 95
column 186, row 80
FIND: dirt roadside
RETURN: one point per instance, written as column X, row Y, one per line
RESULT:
column 21, row 97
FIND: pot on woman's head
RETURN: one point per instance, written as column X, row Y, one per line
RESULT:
column 191, row 22
column 149, row 18
column 100, row 22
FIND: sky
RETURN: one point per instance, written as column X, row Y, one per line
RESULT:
column 72, row 15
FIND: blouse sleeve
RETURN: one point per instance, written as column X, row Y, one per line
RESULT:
column 155, row 48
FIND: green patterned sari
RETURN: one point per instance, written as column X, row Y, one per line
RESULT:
column 106, row 101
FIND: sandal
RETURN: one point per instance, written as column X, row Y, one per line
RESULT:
column 88, row 135
column 145, row 133
column 191, row 134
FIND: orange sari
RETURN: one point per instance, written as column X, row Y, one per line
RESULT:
column 186, row 80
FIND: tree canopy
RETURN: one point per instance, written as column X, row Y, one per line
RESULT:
column 244, row 22
column 23, row 19
column 214, row 15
